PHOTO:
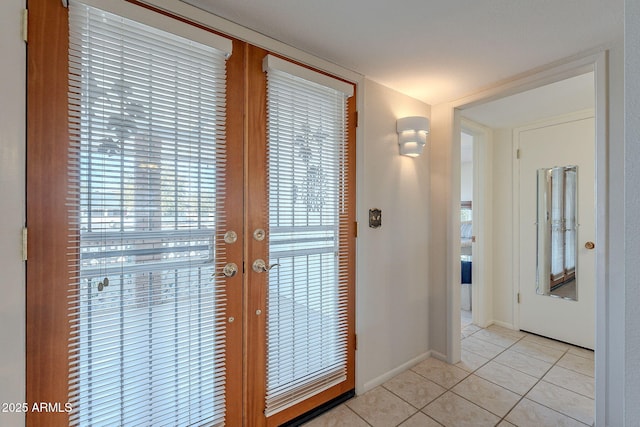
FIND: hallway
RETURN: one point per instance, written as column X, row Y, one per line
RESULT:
column 506, row 378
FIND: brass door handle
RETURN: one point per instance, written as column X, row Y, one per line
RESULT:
column 259, row 266
column 589, row 245
column 229, row 270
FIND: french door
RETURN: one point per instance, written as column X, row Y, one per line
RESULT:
column 190, row 210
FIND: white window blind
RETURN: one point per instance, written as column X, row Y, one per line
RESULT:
column 557, row 223
column 570, row 219
column 147, row 165
column 307, row 297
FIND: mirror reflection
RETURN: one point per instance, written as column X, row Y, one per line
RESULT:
column 557, row 230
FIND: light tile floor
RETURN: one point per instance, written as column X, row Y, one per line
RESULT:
column 505, row 378
column 465, row 318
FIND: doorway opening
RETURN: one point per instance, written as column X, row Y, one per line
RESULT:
column 476, row 226
column 507, row 118
column 503, row 258
column 466, row 228
column 596, row 63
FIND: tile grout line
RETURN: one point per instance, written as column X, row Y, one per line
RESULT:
column 538, row 382
column 468, row 374
column 357, row 415
column 503, row 418
column 565, row 352
column 532, row 387
column 417, row 409
column 492, row 358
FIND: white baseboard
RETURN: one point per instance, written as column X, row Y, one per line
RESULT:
column 503, row 324
column 439, row 356
column 369, row 385
column 487, row 323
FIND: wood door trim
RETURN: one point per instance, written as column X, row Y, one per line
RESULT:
column 256, row 215
column 234, row 206
column 48, row 266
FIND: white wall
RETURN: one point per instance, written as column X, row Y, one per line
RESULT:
column 502, row 238
column 392, row 261
column 631, row 209
column 12, row 198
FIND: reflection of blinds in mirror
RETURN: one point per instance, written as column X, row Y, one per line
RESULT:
column 570, row 220
column 465, row 211
column 147, row 169
column 307, row 329
column 563, row 226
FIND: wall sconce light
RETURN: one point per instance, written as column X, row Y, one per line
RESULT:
column 412, row 135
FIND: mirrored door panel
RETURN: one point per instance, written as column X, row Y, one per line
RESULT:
column 556, row 232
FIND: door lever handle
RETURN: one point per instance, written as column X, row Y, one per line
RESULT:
column 229, row 270
column 259, row 266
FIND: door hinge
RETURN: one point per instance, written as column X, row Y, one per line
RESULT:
column 24, row 243
column 25, row 24
column 355, row 341
column 356, row 118
column 356, row 229
column 518, row 153
column 65, row 3
column 518, row 297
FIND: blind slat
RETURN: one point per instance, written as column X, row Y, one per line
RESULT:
column 147, row 180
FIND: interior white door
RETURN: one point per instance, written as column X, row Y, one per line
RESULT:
column 565, row 143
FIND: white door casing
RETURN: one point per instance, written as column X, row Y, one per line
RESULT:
column 561, row 142
column 482, row 272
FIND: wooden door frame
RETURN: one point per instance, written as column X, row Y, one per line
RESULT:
column 256, row 217
column 48, row 266
column 49, row 269
column 234, row 201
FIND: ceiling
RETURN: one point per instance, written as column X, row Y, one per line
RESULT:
column 552, row 100
column 432, row 50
